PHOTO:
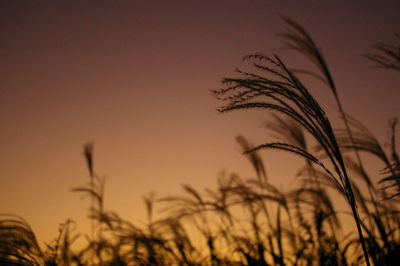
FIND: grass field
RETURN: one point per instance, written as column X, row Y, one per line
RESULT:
column 251, row 221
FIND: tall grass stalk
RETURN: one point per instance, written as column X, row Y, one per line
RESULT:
column 282, row 91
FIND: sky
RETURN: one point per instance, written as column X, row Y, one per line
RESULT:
column 133, row 77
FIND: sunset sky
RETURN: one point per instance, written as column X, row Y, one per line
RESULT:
column 133, row 77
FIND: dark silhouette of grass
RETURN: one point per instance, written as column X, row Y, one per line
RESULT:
column 387, row 56
column 250, row 221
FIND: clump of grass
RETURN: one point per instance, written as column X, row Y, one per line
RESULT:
column 18, row 244
column 284, row 93
column 273, row 86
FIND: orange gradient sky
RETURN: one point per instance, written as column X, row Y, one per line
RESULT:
column 134, row 77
